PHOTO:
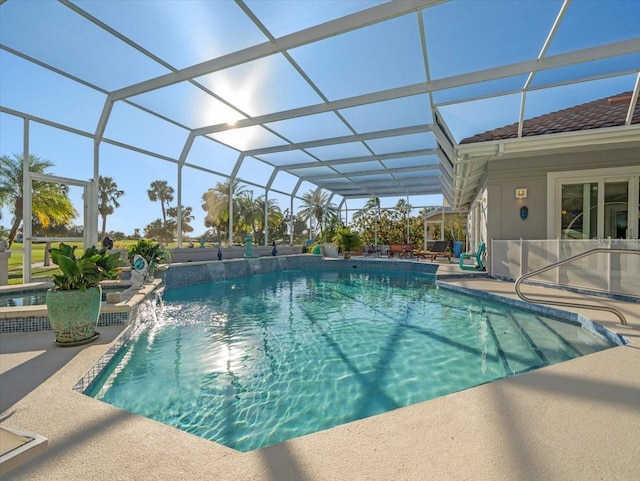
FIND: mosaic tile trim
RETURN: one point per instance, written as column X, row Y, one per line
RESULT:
column 83, row 384
column 41, row 323
column 24, row 324
column 143, row 312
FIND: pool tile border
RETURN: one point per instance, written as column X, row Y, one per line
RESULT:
column 142, row 312
column 41, row 323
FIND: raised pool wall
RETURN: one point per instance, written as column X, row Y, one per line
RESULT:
column 199, row 254
column 35, row 318
column 190, row 273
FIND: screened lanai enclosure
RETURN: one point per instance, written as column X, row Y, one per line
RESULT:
column 173, row 101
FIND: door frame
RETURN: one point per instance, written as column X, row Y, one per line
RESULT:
column 89, row 217
column 555, row 180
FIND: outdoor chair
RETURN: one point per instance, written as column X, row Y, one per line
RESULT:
column 396, row 249
column 439, row 249
column 370, row 249
column 407, row 250
column 476, row 256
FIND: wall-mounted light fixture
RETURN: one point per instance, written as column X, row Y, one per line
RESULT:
column 521, row 193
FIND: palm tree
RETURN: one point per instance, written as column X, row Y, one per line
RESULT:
column 162, row 231
column 215, row 202
column 108, row 195
column 274, row 215
column 249, row 215
column 50, row 201
column 316, row 206
column 161, row 191
column 186, row 217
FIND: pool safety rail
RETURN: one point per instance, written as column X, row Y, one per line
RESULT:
column 568, row 260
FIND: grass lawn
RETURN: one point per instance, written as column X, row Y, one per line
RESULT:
column 37, row 258
column 38, row 271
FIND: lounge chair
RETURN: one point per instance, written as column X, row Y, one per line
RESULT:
column 439, row 249
column 477, row 256
column 396, row 249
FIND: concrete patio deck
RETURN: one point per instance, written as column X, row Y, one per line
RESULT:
column 578, row 420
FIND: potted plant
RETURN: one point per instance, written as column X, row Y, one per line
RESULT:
column 73, row 303
column 151, row 251
column 347, row 240
column 456, row 227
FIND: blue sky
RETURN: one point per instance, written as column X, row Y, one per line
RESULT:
column 461, row 37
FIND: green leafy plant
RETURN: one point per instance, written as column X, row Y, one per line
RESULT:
column 347, row 239
column 80, row 273
column 456, row 228
column 153, row 252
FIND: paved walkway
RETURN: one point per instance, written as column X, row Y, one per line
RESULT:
column 578, row 420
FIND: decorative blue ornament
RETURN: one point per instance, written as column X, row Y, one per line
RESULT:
column 140, row 263
column 524, row 212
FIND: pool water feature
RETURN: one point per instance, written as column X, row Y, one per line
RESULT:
column 255, row 361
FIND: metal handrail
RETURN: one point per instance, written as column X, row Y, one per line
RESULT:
column 613, row 310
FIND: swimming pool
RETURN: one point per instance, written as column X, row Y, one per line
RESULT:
column 254, row 361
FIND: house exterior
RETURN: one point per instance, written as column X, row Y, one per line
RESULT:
column 572, row 174
column 444, row 222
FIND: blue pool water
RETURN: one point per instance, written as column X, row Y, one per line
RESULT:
column 255, row 361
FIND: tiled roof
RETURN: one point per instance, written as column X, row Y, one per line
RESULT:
column 606, row 112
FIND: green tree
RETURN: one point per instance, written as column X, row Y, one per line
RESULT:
column 161, row 191
column 248, row 215
column 215, row 202
column 162, row 231
column 275, row 218
column 316, row 206
column 366, row 220
column 186, row 217
column 50, row 201
column 404, row 209
column 108, row 195
column 251, row 215
column 299, row 227
column 288, row 224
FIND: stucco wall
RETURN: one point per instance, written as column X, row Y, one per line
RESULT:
column 505, row 175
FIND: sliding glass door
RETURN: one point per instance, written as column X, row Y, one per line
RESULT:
column 599, row 207
column 616, row 210
column 579, row 210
